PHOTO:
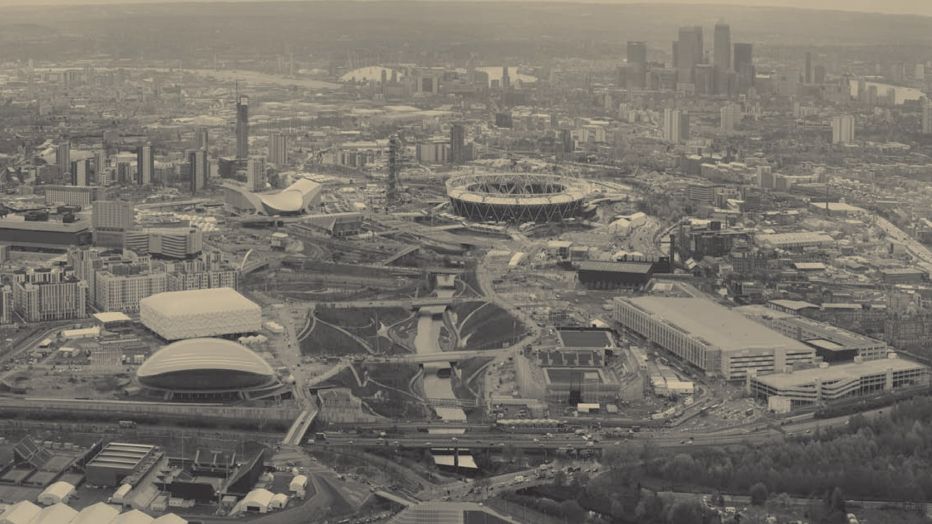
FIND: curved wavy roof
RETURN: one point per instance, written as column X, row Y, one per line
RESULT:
column 294, row 198
column 99, row 512
column 204, row 354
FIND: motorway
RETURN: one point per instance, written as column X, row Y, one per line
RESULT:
column 757, row 433
column 915, row 248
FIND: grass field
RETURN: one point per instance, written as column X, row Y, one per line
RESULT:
column 490, row 327
column 324, row 340
column 365, row 324
column 383, row 391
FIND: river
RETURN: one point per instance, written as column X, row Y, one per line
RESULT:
column 437, row 382
column 903, row 93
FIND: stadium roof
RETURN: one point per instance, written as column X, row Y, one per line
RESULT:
column 293, row 198
column 199, row 301
column 204, row 353
column 716, row 325
column 838, row 372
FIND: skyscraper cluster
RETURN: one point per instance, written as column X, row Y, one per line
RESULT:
column 727, row 72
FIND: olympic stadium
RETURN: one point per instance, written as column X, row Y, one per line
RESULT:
column 207, row 368
column 517, row 197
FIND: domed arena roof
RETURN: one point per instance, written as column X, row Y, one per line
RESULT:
column 205, row 364
column 293, row 199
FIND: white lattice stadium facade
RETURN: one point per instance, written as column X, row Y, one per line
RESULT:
column 199, row 313
column 516, row 197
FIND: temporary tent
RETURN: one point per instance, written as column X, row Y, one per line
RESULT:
column 56, row 493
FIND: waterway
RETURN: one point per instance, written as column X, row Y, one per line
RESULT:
column 437, row 382
column 903, row 93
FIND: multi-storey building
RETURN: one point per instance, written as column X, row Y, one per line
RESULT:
column 710, row 337
column 165, row 242
column 48, row 294
column 70, row 195
column 111, row 219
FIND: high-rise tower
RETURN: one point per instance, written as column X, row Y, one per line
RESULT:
column 201, row 138
column 458, row 144
column 145, row 165
column 278, row 148
column 255, row 173
column 808, row 74
column 637, row 52
column 199, row 167
column 63, row 157
column 744, row 65
column 721, row 46
column 242, row 127
column 394, row 168
column 687, row 52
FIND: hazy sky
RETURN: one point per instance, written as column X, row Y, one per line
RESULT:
column 923, row 7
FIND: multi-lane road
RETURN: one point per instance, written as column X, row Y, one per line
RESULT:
column 757, row 433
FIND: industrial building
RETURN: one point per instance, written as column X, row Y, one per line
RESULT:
column 200, row 313
column 785, row 392
column 205, row 367
column 616, row 275
column 832, row 344
column 119, row 463
column 714, row 339
column 794, row 241
column 29, row 234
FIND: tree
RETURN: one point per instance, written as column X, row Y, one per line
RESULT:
column 559, row 477
column 572, row 511
column 685, row 512
column 618, row 510
column 836, row 500
column 759, row 494
column 483, row 483
column 649, row 509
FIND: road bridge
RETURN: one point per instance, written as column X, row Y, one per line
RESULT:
column 391, row 497
column 408, row 303
column 445, row 356
column 400, row 254
column 300, row 426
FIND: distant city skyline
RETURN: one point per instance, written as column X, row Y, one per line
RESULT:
column 918, row 7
